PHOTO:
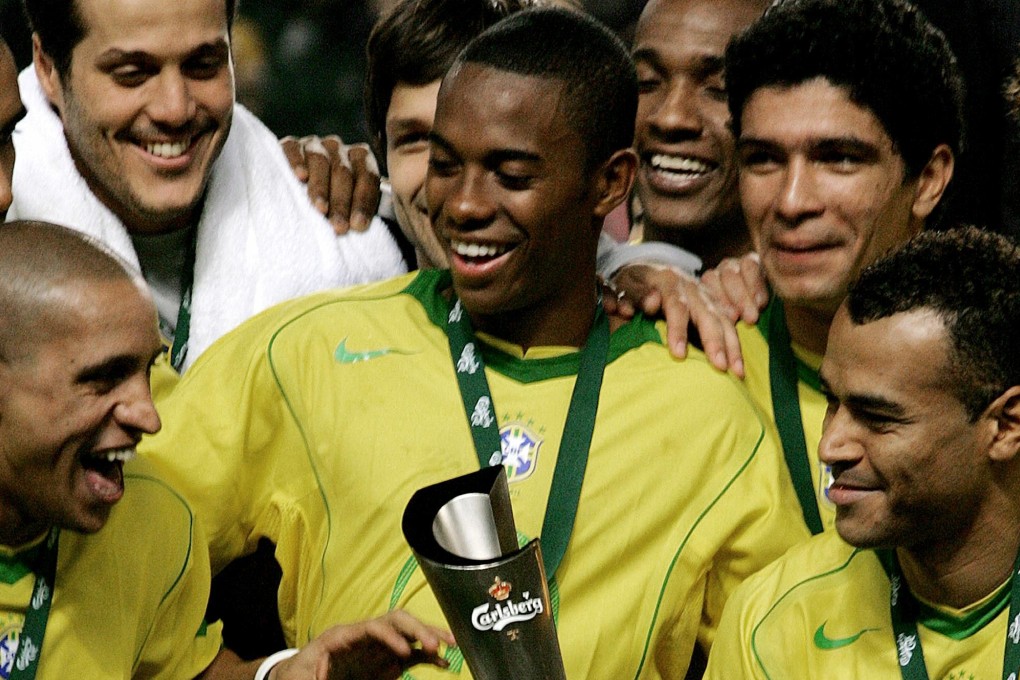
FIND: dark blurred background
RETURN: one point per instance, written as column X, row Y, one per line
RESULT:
column 300, row 63
column 300, row 67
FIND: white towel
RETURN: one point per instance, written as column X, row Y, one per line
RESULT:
column 260, row 241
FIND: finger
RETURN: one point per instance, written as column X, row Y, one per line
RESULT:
column 317, row 161
column 754, row 278
column 651, row 303
column 341, row 186
column 295, row 157
column 735, row 288
column 677, row 320
column 365, row 199
column 718, row 335
column 711, row 285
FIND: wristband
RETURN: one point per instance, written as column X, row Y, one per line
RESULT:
column 263, row 672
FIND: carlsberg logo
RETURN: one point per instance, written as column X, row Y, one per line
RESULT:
column 502, row 614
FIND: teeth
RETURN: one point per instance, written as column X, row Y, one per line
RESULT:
column 122, row 455
column 168, row 149
column 478, row 249
column 679, row 164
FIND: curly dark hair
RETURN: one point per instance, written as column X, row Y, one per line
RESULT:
column 889, row 58
column 415, row 43
column 968, row 277
column 60, row 27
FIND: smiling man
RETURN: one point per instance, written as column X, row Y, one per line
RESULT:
column 922, row 432
column 313, row 424
column 105, row 569
column 133, row 136
column 687, row 183
column 845, row 153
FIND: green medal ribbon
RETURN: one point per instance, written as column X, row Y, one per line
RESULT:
column 789, row 421
column 903, row 609
column 179, row 349
column 572, row 460
column 26, row 661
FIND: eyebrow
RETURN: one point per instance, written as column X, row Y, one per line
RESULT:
column 494, row 157
column 115, row 55
column 818, row 145
column 864, row 402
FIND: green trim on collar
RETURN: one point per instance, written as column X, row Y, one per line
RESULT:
column 427, row 287
column 805, row 373
column 944, row 623
column 14, row 566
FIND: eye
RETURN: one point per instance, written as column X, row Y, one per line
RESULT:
column 514, row 181
column 205, row 66
column 758, row 160
column 440, row 165
column 131, row 75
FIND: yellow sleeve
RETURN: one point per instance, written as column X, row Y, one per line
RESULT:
column 228, row 440
column 181, row 644
column 770, row 523
column 732, row 656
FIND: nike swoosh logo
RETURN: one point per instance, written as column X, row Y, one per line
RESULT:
column 822, row 641
column 344, row 356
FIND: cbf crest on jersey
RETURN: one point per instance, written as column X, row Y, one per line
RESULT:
column 10, row 632
column 520, row 447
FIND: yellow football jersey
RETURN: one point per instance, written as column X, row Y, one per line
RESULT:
column 129, row 600
column 315, row 422
column 822, row 611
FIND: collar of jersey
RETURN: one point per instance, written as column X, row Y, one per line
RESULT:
column 956, row 624
column 808, row 363
column 539, row 363
column 18, row 561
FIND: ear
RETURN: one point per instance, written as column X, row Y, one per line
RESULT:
column 932, row 182
column 613, row 181
column 46, row 71
column 1005, row 415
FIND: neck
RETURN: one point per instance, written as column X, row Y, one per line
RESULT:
column 728, row 237
column 565, row 323
column 15, row 530
column 809, row 328
column 960, row 572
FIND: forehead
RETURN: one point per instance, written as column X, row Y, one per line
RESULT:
column 816, row 110
column 898, row 354
column 413, row 103
column 154, row 26
column 691, row 28
column 482, row 109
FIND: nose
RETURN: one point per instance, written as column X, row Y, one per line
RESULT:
column 469, row 202
column 675, row 113
column 798, row 194
column 135, row 411
column 172, row 102
column 838, row 446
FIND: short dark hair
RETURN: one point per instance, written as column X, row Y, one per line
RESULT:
column 600, row 94
column 889, row 58
column 61, row 27
column 416, row 42
column 968, row 277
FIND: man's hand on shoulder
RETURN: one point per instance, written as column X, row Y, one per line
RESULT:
column 342, row 179
column 739, row 287
column 682, row 301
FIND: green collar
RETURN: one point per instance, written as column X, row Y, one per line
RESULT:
column 944, row 622
column 427, row 288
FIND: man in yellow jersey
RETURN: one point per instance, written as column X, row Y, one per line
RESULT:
column 844, row 154
column 105, row 572
column 315, row 422
column 922, row 433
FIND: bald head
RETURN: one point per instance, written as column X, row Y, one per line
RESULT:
column 47, row 268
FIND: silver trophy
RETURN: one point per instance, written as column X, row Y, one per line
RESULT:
column 493, row 594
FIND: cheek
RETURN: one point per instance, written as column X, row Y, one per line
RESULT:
column 215, row 96
column 407, row 174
